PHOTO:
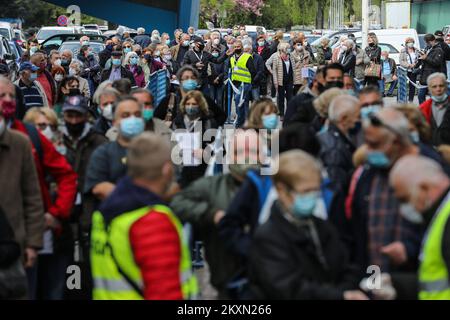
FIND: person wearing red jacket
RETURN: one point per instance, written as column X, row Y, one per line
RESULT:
column 435, row 109
column 49, row 163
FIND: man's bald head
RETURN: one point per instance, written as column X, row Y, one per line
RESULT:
column 412, row 174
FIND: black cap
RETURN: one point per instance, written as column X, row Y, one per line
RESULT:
column 198, row 40
column 75, row 103
column 439, row 33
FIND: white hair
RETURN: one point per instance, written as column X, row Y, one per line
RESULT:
column 102, row 86
column 140, row 30
column 396, row 121
column 283, row 46
column 413, row 170
column 342, row 105
column 128, row 56
column 436, row 75
column 349, row 43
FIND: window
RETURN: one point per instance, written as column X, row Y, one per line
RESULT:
column 45, row 34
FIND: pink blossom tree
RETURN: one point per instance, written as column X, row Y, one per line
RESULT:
column 251, row 6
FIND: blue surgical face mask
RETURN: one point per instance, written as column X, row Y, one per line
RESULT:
column 147, row 114
column 215, row 54
column 270, row 121
column 116, row 62
column 351, row 92
column 368, row 110
column 378, row 159
column 134, row 60
column 415, row 137
column 85, row 43
column 304, row 204
column 440, row 99
column 192, row 111
column 33, row 50
column 33, row 76
column 168, row 41
column 131, row 127
column 189, row 85
column 127, row 50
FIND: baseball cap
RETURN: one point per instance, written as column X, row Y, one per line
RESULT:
column 439, row 33
column 28, row 66
column 75, row 103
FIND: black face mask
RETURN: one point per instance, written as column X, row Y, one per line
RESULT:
column 75, row 130
column 334, row 84
column 148, row 57
column 320, row 87
column 372, row 44
column 238, row 51
column 74, row 92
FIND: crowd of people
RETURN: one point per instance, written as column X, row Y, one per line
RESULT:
column 88, row 176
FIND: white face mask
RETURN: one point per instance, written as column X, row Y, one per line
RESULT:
column 108, row 112
column 408, row 212
column 59, row 77
column 216, row 41
column 72, row 72
column 157, row 53
column 48, row 133
column 58, row 62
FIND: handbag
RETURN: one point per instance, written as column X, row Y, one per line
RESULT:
column 13, row 281
column 373, row 70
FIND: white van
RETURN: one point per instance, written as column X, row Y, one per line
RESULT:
column 6, row 30
column 46, row 32
column 392, row 40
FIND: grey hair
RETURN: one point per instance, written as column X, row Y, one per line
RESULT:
column 68, row 51
column 349, row 43
column 140, row 30
column 395, row 120
column 415, row 169
column 283, row 46
column 342, row 105
column 436, row 75
column 102, row 86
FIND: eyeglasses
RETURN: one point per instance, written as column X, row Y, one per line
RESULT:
column 129, row 47
column 43, row 126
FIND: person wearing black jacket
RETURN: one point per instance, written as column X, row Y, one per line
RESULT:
column 90, row 68
column 348, row 58
column 117, row 71
column 216, row 79
column 431, row 61
column 373, row 51
column 186, row 75
column 445, row 47
column 105, row 54
column 295, row 255
column 262, row 48
column 200, row 59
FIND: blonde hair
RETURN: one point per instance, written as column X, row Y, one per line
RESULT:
column 283, row 46
column 296, row 166
column 33, row 113
column 257, row 110
column 322, row 102
column 416, row 118
column 198, row 96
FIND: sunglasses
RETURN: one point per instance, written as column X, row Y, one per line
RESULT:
column 43, row 126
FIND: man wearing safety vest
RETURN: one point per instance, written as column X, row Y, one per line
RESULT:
column 137, row 246
column 424, row 189
column 243, row 71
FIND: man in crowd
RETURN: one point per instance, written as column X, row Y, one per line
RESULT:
column 32, row 92
column 44, row 77
column 432, row 60
column 435, row 109
column 145, row 238
column 423, row 189
column 142, row 39
column 107, row 98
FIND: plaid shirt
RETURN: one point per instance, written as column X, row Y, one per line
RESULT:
column 386, row 225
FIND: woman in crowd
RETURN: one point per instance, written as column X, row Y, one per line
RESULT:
column 324, row 53
column 58, row 73
column 132, row 64
column 68, row 86
column 283, row 74
column 194, row 116
column 408, row 60
column 263, row 115
column 74, row 71
column 301, row 60
column 373, row 51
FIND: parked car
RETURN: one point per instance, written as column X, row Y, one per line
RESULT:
column 8, row 56
column 47, row 32
column 75, row 46
column 20, row 38
column 6, row 30
column 54, row 42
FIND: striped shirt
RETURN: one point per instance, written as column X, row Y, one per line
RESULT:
column 31, row 95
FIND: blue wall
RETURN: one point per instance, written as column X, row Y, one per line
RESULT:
column 136, row 15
